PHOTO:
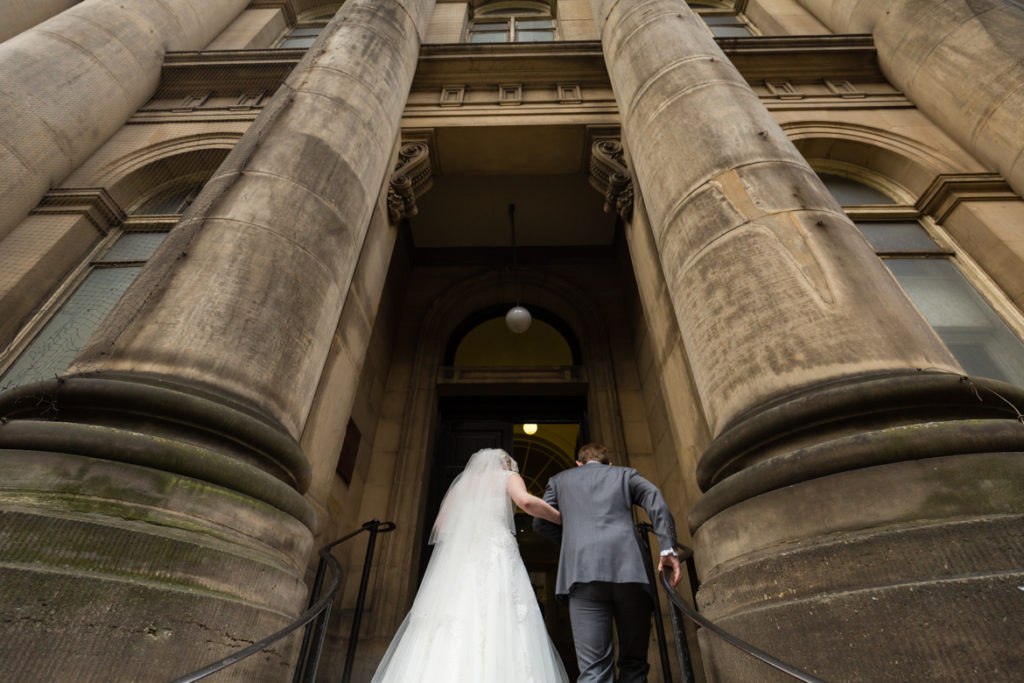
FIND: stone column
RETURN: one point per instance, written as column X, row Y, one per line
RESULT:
column 69, row 83
column 960, row 61
column 18, row 15
column 156, row 490
column 830, row 400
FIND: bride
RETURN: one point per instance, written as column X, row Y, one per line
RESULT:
column 475, row 618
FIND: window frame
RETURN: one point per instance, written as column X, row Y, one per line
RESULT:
column 947, row 250
column 504, row 12
column 741, row 19
column 133, row 223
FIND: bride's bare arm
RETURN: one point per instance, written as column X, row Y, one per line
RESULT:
column 530, row 503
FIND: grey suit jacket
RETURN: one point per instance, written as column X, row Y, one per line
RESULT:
column 597, row 534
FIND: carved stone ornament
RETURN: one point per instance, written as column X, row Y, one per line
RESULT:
column 610, row 176
column 412, row 177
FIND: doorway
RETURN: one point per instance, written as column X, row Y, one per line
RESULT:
column 543, row 434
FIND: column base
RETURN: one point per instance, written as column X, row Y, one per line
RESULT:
column 134, row 545
column 892, row 551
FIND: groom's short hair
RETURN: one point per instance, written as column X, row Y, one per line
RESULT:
column 594, row 452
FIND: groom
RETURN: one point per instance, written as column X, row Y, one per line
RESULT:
column 600, row 566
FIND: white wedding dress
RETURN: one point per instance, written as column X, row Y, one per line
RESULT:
column 475, row 618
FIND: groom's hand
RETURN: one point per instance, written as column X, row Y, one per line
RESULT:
column 671, row 562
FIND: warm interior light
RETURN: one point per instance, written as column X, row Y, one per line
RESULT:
column 530, row 429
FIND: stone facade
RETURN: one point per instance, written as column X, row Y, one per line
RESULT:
column 341, row 192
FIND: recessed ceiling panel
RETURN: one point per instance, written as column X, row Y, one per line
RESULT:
column 472, row 211
column 508, row 150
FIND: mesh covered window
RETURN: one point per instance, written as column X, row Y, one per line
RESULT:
column 101, row 282
column 66, row 333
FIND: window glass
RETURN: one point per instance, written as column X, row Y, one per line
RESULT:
column 729, row 31
column 970, row 327
column 74, row 321
column 67, row 332
column 898, row 236
column 535, row 36
column 491, row 344
column 134, row 246
column 851, row 192
column 977, row 336
column 490, row 37
column 169, row 202
column 301, row 37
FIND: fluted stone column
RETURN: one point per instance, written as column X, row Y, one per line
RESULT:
column 18, row 15
column 67, row 84
column 960, row 61
column 836, row 412
column 155, row 491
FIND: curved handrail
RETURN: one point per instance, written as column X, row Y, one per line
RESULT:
column 697, row 618
column 315, row 610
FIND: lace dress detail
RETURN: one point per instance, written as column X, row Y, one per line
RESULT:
column 475, row 618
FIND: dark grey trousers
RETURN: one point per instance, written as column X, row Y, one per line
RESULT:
column 595, row 609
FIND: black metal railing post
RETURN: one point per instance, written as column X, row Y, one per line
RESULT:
column 374, row 528
column 659, row 625
column 301, row 666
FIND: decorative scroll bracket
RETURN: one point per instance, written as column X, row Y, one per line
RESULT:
column 610, row 176
column 412, row 177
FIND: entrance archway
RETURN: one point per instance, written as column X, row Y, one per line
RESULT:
column 483, row 406
column 437, row 388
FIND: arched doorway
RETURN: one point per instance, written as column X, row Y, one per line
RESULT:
column 519, row 392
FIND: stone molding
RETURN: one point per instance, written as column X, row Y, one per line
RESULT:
column 948, row 190
column 287, row 8
column 93, row 203
column 610, row 176
column 225, row 71
column 196, row 433
column 795, row 58
column 803, row 436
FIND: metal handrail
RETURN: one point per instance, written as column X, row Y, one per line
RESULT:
column 319, row 609
column 679, row 607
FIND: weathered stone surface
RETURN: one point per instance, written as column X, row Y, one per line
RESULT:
column 907, row 571
column 18, row 15
column 808, row 360
column 72, row 81
column 960, row 61
column 245, row 295
column 113, row 570
column 773, row 287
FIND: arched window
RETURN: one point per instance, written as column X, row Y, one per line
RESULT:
column 513, row 22
column 929, row 267
column 489, row 343
column 75, row 313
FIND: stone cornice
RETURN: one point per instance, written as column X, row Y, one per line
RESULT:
column 804, row 58
column 948, row 190
column 478, row 64
column 287, row 7
column 94, row 203
column 185, row 73
column 795, row 58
